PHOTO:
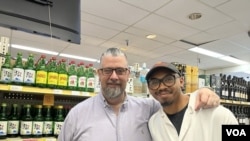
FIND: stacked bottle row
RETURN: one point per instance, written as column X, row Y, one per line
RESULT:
column 190, row 75
column 48, row 74
column 241, row 113
column 32, row 121
column 137, row 82
column 231, row 87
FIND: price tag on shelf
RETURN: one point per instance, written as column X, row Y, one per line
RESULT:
column 49, row 139
column 16, row 88
column 75, row 93
column 236, row 102
column 85, row 94
column 48, row 99
column 228, row 101
column 57, row 91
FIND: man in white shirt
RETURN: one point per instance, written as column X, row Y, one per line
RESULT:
column 177, row 119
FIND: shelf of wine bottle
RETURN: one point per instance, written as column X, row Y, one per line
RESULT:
column 223, row 101
column 27, row 89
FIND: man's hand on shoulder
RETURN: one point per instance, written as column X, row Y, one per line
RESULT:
column 206, row 98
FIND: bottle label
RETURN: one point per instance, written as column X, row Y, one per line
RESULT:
column 82, row 82
column 29, row 76
column 62, row 79
column 91, row 82
column 26, row 128
column 17, row 75
column 13, row 127
column 130, row 86
column 137, row 89
column 72, row 81
column 47, row 127
column 6, row 75
column 52, row 78
column 57, row 127
column 137, row 86
column 97, row 84
column 41, row 77
column 3, row 128
column 37, row 128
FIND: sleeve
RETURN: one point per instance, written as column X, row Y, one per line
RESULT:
column 155, row 106
column 223, row 116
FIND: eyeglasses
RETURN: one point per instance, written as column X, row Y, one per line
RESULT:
column 118, row 71
column 168, row 80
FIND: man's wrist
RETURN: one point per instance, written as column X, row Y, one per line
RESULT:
column 208, row 87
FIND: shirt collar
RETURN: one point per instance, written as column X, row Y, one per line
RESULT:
column 105, row 103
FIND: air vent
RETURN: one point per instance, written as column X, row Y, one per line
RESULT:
column 42, row 2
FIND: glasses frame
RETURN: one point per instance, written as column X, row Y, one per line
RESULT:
column 123, row 72
column 161, row 81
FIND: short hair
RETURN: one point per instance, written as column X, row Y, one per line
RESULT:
column 113, row 52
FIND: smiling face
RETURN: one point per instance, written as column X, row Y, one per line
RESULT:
column 167, row 93
column 113, row 85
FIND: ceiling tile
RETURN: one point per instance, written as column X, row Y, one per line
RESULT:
column 113, row 10
column 149, row 5
column 179, row 10
column 159, row 25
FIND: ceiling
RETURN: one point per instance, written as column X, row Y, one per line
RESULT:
column 223, row 28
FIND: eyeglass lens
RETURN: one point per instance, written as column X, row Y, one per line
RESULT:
column 168, row 80
column 118, row 71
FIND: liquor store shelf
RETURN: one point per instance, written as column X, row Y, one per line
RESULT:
column 30, row 139
column 243, row 103
column 27, row 89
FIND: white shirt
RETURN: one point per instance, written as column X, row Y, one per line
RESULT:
column 203, row 125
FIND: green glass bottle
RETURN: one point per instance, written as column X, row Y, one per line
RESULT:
column 41, row 72
column 86, row 70
column 58, row 120
column 13, row 122
column 18, row 70
column 26, row 122
column 38, row 122
column 6, row 70
column 90, row 79
column 81, row 77
column 3, row 121
column 48, row 122
column 72, row 76
column 52, row 74
column 62, row 75
column 29, row 71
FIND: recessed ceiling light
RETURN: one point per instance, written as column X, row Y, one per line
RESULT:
column 194, row 16
column 151, row 36
column 123, row 48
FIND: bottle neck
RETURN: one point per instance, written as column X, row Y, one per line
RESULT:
column 3, row 111
column 14, row 111
column 39, row 112
column 48, row 112
column 27, row 111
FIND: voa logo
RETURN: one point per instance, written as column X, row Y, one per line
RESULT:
column 236, row 132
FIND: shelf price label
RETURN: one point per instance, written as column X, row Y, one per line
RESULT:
column 85, row 94
column 57, row 91
column 49, row 139
column 75, row 93
column 48, row 99
column 16, row 88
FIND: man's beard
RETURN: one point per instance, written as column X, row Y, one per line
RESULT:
column 166, row 103
column 112, row 93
